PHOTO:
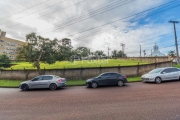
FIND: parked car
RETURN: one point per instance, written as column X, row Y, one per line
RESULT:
column 162, row 74
column 108, row 78
column 44, row 81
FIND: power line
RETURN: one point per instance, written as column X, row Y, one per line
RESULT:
column 33, row 12
column 79, row 19
column 51, row 12
column 114, row 21
column 24, row 10
column 126, row 18
column 62, row 9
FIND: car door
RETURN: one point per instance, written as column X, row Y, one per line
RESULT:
column 102, row 80
column 174, row 73
column 44, row 83
column 35, row 82
column 112, row 79
column 165, row 74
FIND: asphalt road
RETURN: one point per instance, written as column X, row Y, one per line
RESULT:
column 135, row 101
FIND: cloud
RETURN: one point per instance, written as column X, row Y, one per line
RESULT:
column 64, row 19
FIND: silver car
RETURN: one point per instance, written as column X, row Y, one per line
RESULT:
column 162, row 74
column 44, row 81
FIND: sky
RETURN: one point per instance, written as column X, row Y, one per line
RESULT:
column 96, row 24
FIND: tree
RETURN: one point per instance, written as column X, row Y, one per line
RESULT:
column 121, row 54
column 114, row 53
column 82, row 51
column 39, row 49
column 99, row 54
column 172, row 53
column 4, row 61
column 65, row 50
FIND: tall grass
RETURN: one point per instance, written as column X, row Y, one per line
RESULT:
column 78, row 64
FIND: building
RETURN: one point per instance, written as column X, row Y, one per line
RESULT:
column 8, row 46
column 156, row 52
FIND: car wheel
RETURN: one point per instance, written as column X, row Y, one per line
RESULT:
column 94, row 85
column 158, row 80
column 25, row 87
column 120, row 83
column 53, row 86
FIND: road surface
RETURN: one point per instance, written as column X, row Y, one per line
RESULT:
column 135, row 101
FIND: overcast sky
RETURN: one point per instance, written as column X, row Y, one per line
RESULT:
column 96, row 24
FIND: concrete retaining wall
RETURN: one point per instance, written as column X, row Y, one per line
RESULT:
column 83, row 73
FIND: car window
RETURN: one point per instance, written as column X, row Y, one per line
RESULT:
column 113, row 74
column 47, row 78
column 173, row 69
column 37, row 78
column 105, row 75
column 165, row 71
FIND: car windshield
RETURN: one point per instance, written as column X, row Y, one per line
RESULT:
column 155, row 71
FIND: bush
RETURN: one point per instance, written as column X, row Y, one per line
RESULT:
column 4, row 61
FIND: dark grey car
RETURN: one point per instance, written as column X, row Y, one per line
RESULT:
column 44, row 81
column 108, row 78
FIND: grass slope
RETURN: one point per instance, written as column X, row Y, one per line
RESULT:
column 78, row 64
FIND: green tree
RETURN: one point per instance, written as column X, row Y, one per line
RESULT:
column 119, row 53
column 114, row 53
column 65, row 50
column 99, row 54
column 39, row 49
column 172, row 53
column 82, row 51
column 4, row 61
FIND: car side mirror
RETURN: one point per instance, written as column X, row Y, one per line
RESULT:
column 99, row 77
column 163, row 72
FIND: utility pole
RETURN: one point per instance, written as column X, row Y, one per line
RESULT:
column 151, row 52
column 140, row 50
column 108, row 51
column 144, row 52
column 123, row 46
column 177, row 52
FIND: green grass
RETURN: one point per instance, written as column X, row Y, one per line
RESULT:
column 10, row 83
column 78, row 64
column 178, row 65
column 15, row 83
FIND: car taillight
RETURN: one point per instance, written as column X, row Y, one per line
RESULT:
column 60, row 80
column 124, row 76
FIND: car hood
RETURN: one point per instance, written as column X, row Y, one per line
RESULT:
column 149, row 75
column 91, row 79
column 27, row 81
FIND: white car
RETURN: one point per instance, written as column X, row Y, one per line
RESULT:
column 162, row 74
column 44, row 81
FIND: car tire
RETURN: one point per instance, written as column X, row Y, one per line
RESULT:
column 158, row 80
column 25, row 87
column 94, row 85
column 52, row 86
column 120, row 83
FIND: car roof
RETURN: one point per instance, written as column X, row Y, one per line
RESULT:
column 166, row 67
column 111, row 72
column 48, row 75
